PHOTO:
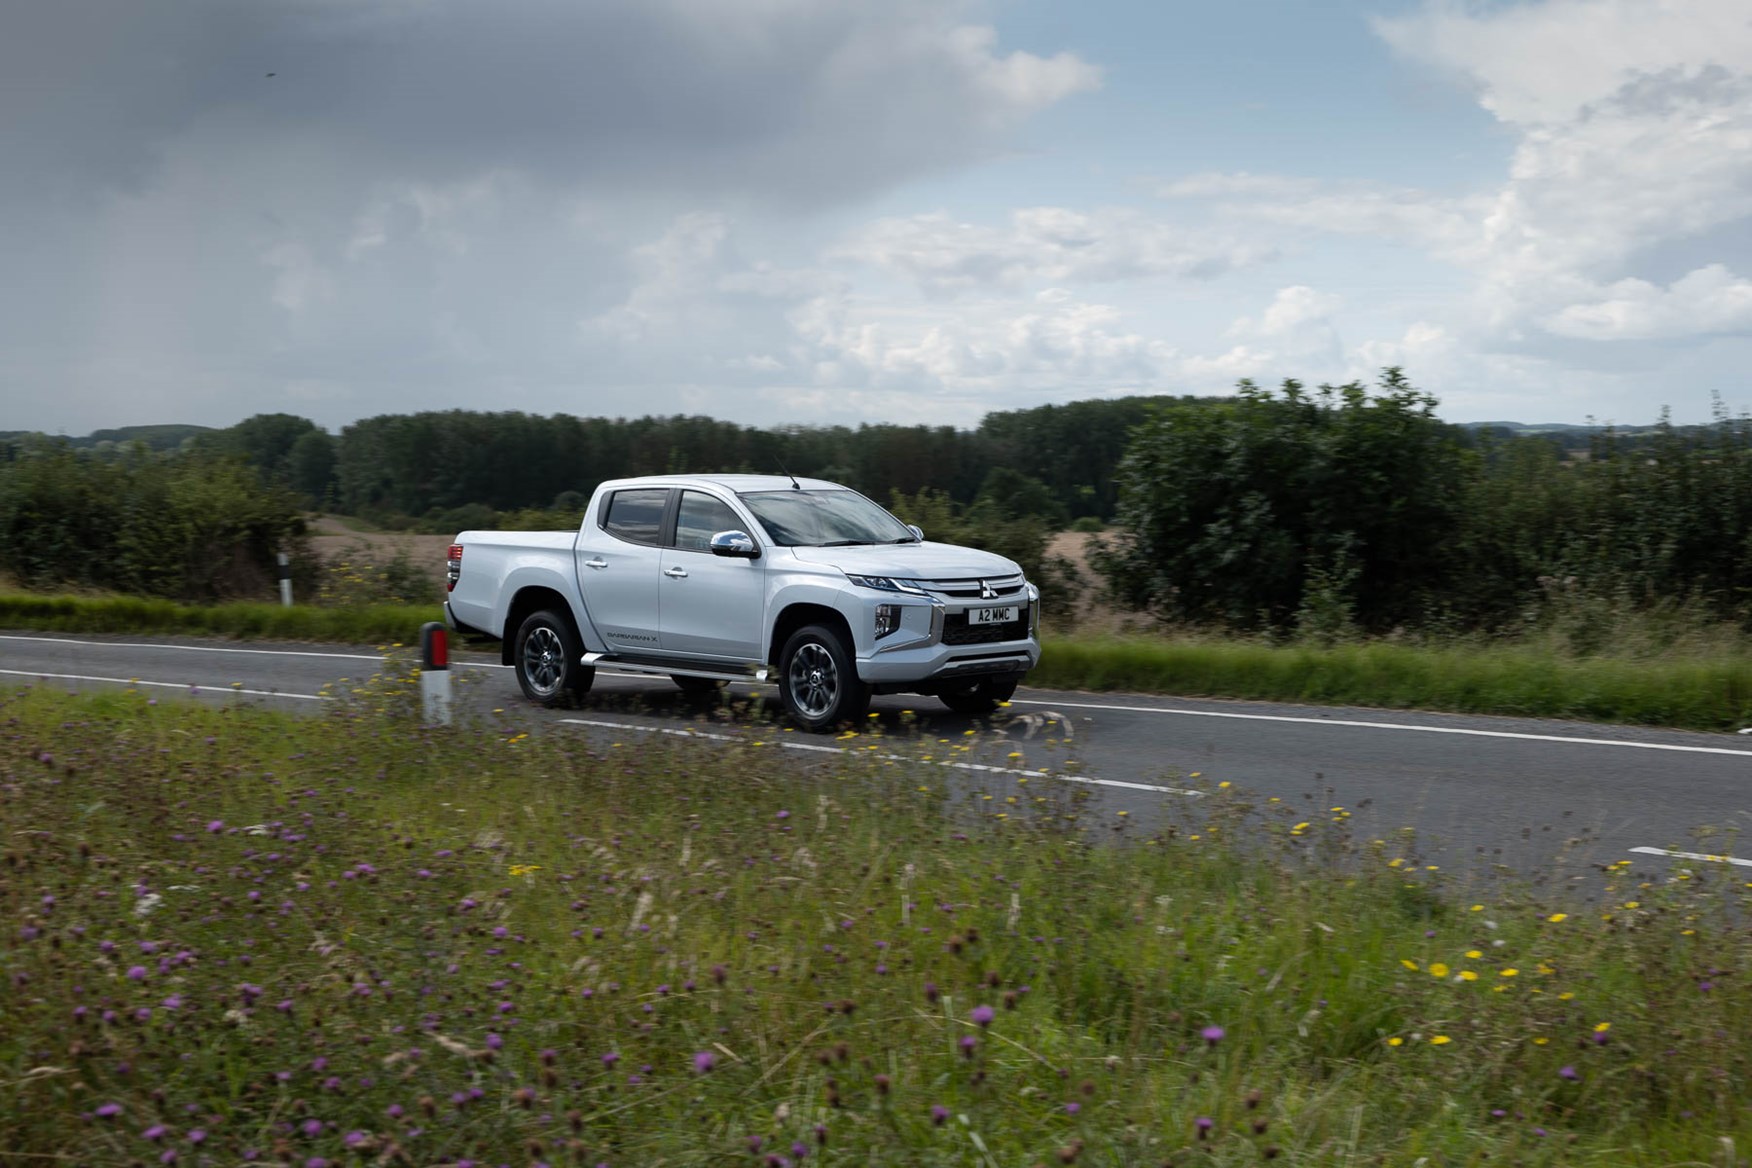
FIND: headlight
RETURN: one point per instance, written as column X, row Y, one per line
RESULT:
column 885, row 583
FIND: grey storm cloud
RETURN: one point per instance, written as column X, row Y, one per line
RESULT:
column 212, row 208
column 793, row 100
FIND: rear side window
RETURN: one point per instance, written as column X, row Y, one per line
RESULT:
column 636, row 516
column 700, row 518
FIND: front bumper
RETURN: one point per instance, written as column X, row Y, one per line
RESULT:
column 936, row 646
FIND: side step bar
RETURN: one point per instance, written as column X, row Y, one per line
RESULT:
column 759, row 673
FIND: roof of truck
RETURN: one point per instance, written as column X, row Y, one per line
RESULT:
column 733, row 482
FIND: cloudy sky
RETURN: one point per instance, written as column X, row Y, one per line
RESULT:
column 819, row 211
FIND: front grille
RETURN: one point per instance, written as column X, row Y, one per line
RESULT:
column 989, row 588
column 956, row 630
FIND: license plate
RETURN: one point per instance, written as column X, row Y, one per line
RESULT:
column 991, row 616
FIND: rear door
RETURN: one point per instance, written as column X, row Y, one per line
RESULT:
column 713, row 606
column 619, row 555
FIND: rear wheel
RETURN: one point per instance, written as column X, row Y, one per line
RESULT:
column 547, row 656
column 979, row 698
column 818, row 680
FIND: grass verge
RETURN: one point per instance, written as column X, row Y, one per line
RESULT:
column 352, row 625
column 240, row 937
column 1693, row 693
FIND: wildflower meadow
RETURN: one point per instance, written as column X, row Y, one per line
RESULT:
column 232, row 936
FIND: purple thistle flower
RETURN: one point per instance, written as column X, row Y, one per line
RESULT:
column 311, row 1127
column 1072, row 1108
column 1204, row 1123
column 704, row 1061
column 968, row 1042
column 1569, row 1073
column 109, row 1110
column 1212, row 1034
column 783, row 815
column 611, row 1058
column 136, row 973
column 982, row 1015
column 494, row 1042
column 196, row 1136
column 155, row 1133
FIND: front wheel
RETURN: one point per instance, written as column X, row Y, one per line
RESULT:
column 547, row 657
column 979, row 698
column 818, row 680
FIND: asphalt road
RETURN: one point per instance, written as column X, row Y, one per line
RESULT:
column 1537, row 799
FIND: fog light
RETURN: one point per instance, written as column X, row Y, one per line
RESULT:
column 887, row 619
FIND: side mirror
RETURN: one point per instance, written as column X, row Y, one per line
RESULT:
column 735, row 544
column 918, row 533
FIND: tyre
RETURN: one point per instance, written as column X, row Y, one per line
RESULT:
column 979, row 698
column 818, row 680
column 698, row 689
column 547, row 658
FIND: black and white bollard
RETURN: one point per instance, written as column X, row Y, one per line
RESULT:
column 285, row 581
column 435, row 673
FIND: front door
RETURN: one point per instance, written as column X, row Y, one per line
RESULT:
column 712, row 606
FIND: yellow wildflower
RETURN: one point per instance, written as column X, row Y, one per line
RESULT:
column 1437, row 969
column 1440, row 1040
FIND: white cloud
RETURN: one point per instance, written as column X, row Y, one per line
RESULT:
column 1635, row 124
column 1050, row 245
column 1546, row 63
column 1708, row 300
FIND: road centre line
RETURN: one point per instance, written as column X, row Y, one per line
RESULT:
column 1716, row 859
column 184, row 686
column 818, row 748
column 1382, row 726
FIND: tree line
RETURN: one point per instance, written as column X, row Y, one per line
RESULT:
column 1322, row 511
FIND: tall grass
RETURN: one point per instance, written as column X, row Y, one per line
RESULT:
column 239, row 937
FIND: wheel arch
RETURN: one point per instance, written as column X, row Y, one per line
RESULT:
column 801, row 614
column 526, row 601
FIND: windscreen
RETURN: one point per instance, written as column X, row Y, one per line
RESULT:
column 824, row 519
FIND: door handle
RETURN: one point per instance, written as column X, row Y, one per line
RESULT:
column 675, row 573
column 598, row 562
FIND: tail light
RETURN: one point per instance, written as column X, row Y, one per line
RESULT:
column 453, row 567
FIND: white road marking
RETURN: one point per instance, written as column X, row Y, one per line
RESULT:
column 182, row 685
column 1385, row 726
column 1694, row 856
column 194, row 648
column 818, row 748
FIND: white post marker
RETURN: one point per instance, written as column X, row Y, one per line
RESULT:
column 285, row 581
column 435, row 673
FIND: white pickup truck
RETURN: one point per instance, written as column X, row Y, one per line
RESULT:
column 717, row 578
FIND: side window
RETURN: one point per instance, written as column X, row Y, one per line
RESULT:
column 700, row 518
column 636, row 516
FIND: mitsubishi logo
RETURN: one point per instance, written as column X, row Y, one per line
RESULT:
column 987, row 592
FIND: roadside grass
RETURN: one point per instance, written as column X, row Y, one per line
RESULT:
column 1697, row 689
column 1702, row 692
column 235, row 936
column 300, row 622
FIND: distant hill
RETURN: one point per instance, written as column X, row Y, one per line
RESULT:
column 167, row 437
